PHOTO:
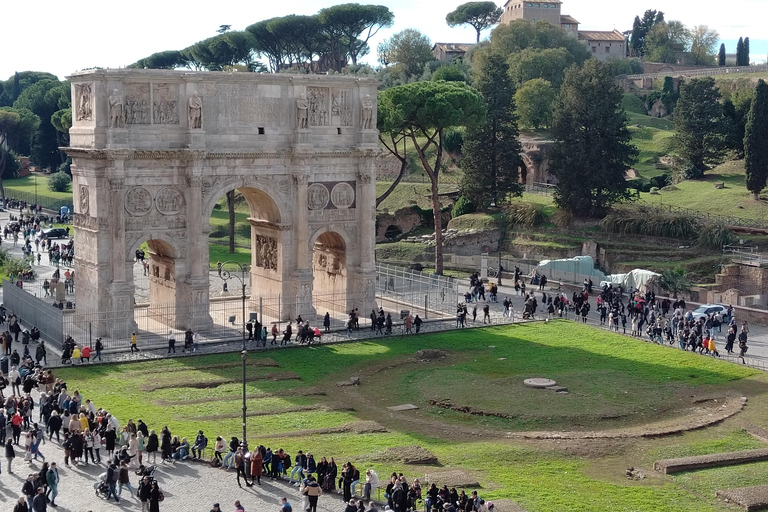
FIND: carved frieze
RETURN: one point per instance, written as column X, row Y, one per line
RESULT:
column 164, row 104
column 169, row 201
column 331, row 215
column 317, row 196
column 318, row 106
column 137, row 109
column 83, row 103
column 82, row 221
column 266, row 252
column 341, row 107
column 155, row 222
column 138, row 201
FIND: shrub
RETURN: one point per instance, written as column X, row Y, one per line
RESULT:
column 453, row 141
column 562, row 218
column 675, row 281
column 525, row 214
column 462, row 207
column 691, row 172
column 66, row 166
column 715, row 236
column 647, row 221
column 59, row 182
column 661, row 181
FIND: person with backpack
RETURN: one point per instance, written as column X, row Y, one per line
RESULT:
column 113, row 474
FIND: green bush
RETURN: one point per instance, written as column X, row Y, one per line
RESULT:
column 59, row 182
column 643, row 220
column 525, row 214
column 65, row 167
column 715, row 236
column 453, row 141
column 462, row 207
column 661, row 181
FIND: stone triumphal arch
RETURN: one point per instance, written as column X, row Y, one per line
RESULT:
column 152, row 152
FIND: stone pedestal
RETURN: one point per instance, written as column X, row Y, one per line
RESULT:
column 117, row 138
column 369, row 138
column 196, row 139
column 302, row 138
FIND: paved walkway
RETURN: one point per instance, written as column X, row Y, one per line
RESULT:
column 188, row 486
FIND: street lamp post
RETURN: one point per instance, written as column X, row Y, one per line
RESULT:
column 226, row 275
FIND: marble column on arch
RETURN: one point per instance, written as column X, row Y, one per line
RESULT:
column 194, row 296
column 303, row 272
column 121, row 288
column 365, row 278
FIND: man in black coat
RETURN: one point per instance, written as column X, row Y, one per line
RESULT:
column 40, row 502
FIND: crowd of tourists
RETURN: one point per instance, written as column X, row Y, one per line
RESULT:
column 90, row 435
column 662, row 320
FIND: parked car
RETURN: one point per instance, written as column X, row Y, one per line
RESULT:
column 54, row 233
column 708, row 309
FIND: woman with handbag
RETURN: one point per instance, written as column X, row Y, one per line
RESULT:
column 155, row 497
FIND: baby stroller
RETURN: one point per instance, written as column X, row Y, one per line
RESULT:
column 146, row 471
column 102, row 487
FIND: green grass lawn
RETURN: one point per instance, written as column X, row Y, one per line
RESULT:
column 701, row 195
column 606, row 374
column 409, row 194
column 27, row 185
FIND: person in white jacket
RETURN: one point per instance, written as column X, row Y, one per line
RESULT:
column 371, row 483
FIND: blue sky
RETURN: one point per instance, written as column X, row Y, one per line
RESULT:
column 48, row 35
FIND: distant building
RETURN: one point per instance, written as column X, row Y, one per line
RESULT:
column 445, row 52
column 603, row 45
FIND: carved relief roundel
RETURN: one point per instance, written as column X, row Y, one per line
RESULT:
column 317, row 196
column 138, row 201
column 343, row 195
column 169, row 201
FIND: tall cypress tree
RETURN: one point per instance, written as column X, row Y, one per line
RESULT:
column 740, row 52
column 593, row 147
column 746, row 51
column 756, row 141
column 491, row 151
column 721, row 55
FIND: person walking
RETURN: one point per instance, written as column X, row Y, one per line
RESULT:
column 99, row 347
column 171, row 342
column 124, row 479
column 10, row 453
column 145, row 487
column 39, row 502
column 312, row 491
column 52, row 479
column 113, row 474
column 743, row 342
